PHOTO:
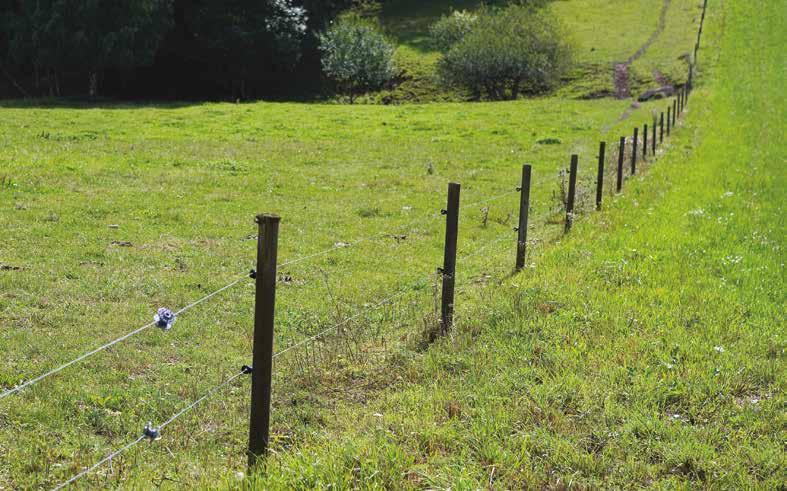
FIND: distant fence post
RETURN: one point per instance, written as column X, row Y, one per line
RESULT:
column 680, row 101
column 661, row 128
column 645, row 142
column 572, row 191
column 621, row 155
column 448, row 271
column 669, row 119
column 691, row 73
column 674, row 112
column 262, row 358
column 602, row 149
column 653, row 143
column 634, row 152
column 524, row 211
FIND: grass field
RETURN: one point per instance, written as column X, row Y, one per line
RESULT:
column 598, row 366
column 646, row 350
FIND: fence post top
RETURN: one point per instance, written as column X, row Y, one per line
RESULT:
column 266, row 217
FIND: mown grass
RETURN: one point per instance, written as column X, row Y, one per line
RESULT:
column 182, row 184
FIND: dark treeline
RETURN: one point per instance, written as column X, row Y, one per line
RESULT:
column 185, row 49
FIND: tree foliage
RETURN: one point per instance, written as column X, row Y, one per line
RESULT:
column 219, row 46
column 451, row 29
column 508, row 51
column 68, row 38
column 356, row 56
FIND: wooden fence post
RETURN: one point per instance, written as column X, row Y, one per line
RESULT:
column 645, row 142
column 621, row 155
column 669, row 119
column 572, row 190
column 680, row 101
column 674, row 112
column 524, row 212
column 448, row 270
column 653, row 143
column 661, row 128
column 602, row 150
column 634, row 152
column 262, row 358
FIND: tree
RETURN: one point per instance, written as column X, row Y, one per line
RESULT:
column 508, row 51
column 84, row 37
column 242, row 40
column 451, row 29
column 356, row 56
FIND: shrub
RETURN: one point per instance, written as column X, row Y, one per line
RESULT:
column 507, row 52
column 451, row 29
column 356, row 56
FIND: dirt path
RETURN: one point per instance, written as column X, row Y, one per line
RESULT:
column 621, row 75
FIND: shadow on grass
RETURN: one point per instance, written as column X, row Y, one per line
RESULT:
column 108, row 103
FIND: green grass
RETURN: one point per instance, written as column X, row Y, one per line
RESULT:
column 182, row 184
column 645, row 350
column 596, row 366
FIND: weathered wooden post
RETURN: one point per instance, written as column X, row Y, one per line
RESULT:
column 653, row 143
column 448, row 270
column 572, row 190
column 621, row 154
column 645, row 142
column 602, row 149
column 524, row 212
column 262, row 358
column 634, row 152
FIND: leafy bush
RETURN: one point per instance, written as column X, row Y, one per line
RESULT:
column 356, row 56
column 507, row 52
column 451, row 29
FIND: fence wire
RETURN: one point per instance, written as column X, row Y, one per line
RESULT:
column 122, row 338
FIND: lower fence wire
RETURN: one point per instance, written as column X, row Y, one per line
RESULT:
column 142, row 437
column 381, row 303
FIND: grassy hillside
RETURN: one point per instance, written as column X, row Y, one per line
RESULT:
column 626, row 26
column 599, row 365
column 645, row 350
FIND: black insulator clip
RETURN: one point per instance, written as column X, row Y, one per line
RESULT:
column 444, row 212
column 253, row 273
column 151, row 433
column 245, row 369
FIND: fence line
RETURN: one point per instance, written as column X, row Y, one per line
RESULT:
column 299, row 344
column 678, row 108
